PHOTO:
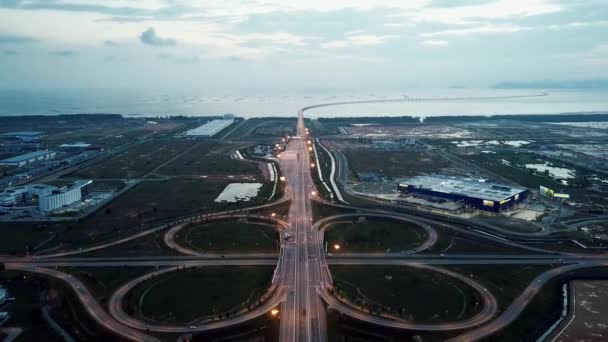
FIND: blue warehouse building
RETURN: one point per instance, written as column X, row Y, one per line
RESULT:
column 475, row 193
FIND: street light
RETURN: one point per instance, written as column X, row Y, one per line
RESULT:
column 314, row 193
column 274, row 312
column 337, row 247
column 312, row 164
column 273, row 214
column 310, row 149
column 282, row 178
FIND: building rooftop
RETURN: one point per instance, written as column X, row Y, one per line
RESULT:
column 76, row 184
column 75, row 145
column 210, row 128
column 22, row 134
column 469, row 187
column 26, row 156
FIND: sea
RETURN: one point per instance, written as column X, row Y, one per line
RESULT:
column 250, row 103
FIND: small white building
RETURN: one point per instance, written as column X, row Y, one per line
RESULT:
column 12, row 196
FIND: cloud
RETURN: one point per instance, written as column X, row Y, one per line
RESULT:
column 10, row 53
column 16, row 39
column 233, row 59
column 434, row 42
column 178, row 59
column 62, row 53
column 149, row 37
column 490, row 10
column 359, row 40
column 110, row 43
column 74, row 6
column 477, row 30
column 597, row 56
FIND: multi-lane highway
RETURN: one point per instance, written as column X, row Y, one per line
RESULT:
column 302, row 313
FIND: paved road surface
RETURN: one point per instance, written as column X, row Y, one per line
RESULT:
column 302, row 313
column 90, row 304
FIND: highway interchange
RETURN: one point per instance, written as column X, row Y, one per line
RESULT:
column 302, row 284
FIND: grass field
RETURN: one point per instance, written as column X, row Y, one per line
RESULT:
column 396, row 163
column 105, row 136
column 230, row 237
column 135, row 162
column 185, row 295
column 415, row 294
column 374, row 235
column 18, row 237
column 154, row 201
column 208, row 158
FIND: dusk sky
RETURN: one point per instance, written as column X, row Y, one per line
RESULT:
column 299, row 44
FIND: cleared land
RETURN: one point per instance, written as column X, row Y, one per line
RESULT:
column 135, row 162
column 587, row 317
column 396, row 163
column 374, row 235
column 415, row 294
column 510, row 164
column 186, row 295
column 230, row 237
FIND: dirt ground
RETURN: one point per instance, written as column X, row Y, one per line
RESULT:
column 588, row 316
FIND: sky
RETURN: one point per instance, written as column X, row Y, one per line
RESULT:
column 277, row 44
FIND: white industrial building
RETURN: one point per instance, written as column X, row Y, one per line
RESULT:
column 28, row 158
column 49, row 197
column 210, row 129
column 62, row 197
